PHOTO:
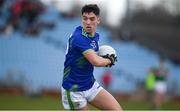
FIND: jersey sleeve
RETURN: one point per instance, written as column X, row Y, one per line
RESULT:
column 82, row 44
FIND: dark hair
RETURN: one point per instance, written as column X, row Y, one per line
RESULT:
column 90, row 8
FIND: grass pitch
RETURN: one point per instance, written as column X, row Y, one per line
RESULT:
column 9, row 102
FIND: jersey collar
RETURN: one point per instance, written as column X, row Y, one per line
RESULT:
column 84, row 33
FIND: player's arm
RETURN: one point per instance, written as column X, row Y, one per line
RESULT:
column 96, row 60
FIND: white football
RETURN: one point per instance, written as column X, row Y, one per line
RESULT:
column 106, row 49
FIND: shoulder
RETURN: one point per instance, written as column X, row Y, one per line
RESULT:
column 77, row 31
column 78, row 34
column 97, row 36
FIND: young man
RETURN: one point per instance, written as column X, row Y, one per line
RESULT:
column 79, row 85
column 160, row 83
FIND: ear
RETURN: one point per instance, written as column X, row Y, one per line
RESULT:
column 98, row 19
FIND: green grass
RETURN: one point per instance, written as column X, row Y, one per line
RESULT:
column 144, row 105
column 8, row 102
column 24, row 102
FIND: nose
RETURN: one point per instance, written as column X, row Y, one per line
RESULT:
column 88, row 22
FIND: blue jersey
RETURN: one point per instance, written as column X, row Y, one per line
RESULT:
column 78, row 71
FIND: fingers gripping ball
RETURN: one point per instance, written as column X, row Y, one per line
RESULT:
column 108, row 52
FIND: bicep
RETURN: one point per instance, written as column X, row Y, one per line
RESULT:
column 90, row 55
column 94, row 59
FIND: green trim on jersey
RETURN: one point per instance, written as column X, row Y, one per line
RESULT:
column 74, row 88
column 69, row 100
column 160, row 78
column 66, row 71
column 81, row 61
column 84, row 33
column 86, row 51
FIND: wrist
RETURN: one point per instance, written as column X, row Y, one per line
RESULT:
column 109, row 61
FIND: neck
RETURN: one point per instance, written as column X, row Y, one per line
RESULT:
column 91, row 34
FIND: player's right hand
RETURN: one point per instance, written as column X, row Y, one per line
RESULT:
column 112, row 58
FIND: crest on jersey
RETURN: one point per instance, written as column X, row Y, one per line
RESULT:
column 93, row 44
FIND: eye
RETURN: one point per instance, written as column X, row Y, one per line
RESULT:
column 92, row 19
column 85, row 18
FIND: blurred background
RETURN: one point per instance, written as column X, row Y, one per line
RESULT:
column 33, row 37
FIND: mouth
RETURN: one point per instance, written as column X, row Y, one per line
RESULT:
column 88, row 27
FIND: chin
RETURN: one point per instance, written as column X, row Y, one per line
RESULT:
column 88, row 31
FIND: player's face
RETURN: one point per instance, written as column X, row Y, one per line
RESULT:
column 90, row 22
